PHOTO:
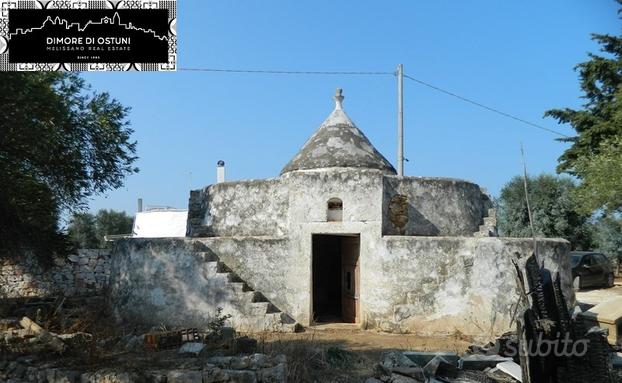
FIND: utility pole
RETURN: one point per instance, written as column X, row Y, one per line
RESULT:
column 400, row 120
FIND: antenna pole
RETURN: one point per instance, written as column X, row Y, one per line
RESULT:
column 400, row 120
column 533, row 231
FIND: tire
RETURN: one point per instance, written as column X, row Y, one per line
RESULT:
column 610, row 280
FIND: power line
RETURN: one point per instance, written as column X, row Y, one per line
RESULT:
column 285, row 71
column 376, row 73
column 485, row 107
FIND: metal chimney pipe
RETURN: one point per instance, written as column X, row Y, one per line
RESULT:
column 220, row 171
column 140, row 205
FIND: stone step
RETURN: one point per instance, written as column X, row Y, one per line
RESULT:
column 234, row 278
column 240, row 287
column 271, row 308
column 210, row 269
column 274, row 322
column 492, row 213
column 258, row 313
column 280, row 322
column 214, row 267
column 259, row 297
column 251, row 297
column 222, row 280
column 207, row 256
column 261, row 308
column 484, row 231
column 490, row 221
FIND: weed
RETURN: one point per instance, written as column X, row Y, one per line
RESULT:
column 215, row 326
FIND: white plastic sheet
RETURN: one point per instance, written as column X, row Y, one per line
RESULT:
column 160, row 223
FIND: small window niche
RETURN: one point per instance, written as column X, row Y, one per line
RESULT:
column 334, row 211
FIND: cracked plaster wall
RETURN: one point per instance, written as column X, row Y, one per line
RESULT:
column 444, row 284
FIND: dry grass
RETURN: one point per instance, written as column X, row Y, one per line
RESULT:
column 313, row 360
column 346, row 355
column 327, row 355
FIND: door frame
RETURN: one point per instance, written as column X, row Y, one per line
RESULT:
column 357, row 278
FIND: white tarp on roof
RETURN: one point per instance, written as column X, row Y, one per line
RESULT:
column 160, row 223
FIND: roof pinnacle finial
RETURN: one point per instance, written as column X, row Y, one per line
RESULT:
column 338, row 99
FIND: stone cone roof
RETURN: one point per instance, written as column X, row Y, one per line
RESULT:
column 338, row 143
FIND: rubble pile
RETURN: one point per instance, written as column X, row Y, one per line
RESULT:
column 74, row 340
column 33, row 354
column 552, row 344
column 419, row 367
column 493, row 363
column 256, row 368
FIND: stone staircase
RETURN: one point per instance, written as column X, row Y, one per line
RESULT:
column 489, row 228
column 251, row 311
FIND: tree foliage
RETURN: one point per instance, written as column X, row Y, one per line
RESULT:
column 601, row 186
column 608, row 235
column 61, row 143
column 601, row 116
column 110, row 222
column 88, row 231
column 82, row 232
column 554, row 211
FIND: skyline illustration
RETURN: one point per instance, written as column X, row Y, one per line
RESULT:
column 115, row 20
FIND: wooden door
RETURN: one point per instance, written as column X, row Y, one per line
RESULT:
column 350, row 247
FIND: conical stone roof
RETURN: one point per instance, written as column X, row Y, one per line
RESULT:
column 338, row 143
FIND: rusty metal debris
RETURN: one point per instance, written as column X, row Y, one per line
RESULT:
column 171, row 339
column 546, row 319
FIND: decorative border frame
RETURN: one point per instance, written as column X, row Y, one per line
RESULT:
column 5, row 5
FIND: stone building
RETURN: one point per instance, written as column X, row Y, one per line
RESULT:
column 336, row 237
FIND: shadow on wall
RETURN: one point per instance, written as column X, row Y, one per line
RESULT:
column 181, row 283
column 160, row 282
column 407, row 220
column 420, row 225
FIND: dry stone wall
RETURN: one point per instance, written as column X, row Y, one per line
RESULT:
column 84, row 273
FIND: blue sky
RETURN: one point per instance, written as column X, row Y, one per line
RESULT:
column 516, row 56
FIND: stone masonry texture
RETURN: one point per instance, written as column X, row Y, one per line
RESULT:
column 84, row 273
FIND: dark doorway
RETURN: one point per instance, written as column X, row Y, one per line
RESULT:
column 335, row 278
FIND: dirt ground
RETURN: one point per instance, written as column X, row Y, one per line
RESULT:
column 343, row 353
column 354, row 339
column 593, row 297
column 339, row 353
column 366, row 347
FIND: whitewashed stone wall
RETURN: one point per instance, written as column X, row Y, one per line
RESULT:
column 424, row 285
column 85, row 273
